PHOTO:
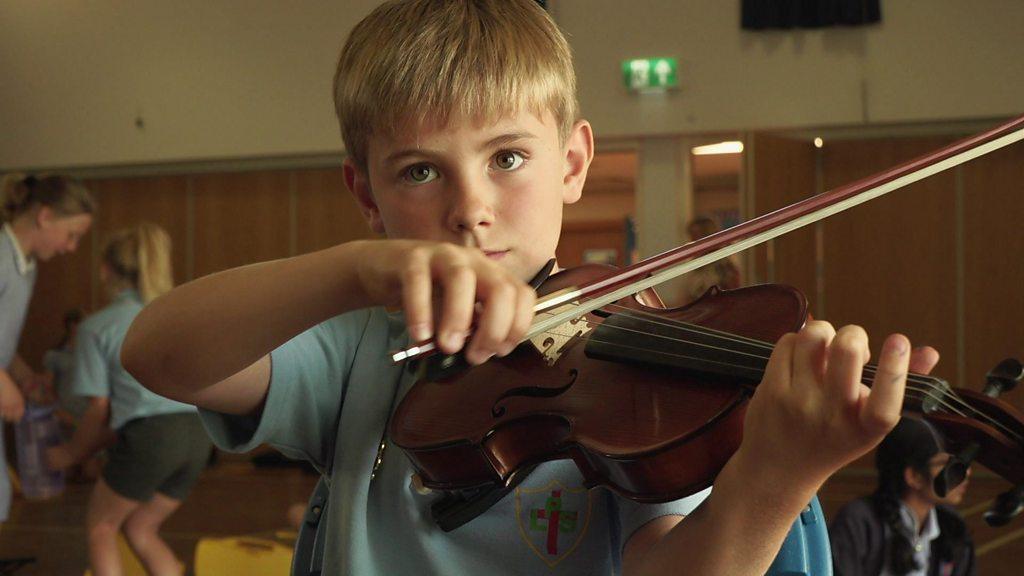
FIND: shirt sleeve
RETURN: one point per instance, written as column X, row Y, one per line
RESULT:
column 90, row 375
column 848, row 536
column 9, row 327
column 635, row 515
column 309, row 375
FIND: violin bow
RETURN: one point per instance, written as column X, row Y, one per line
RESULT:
column 552, row 311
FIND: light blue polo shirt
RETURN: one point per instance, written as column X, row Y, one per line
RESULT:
column 97, row 369
column 332, row 390
column 17, row 277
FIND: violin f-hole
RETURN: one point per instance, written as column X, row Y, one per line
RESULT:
column 532, row 392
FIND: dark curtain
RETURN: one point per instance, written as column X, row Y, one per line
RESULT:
column 766, row 14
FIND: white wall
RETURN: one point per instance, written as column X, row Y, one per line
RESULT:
column 216, row 80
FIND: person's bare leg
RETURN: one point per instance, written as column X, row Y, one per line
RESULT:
column 106, row 513
column 142, row 527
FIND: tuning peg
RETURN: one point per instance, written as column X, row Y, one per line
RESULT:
column 955, row 470
column 1005, row 508
column 1003, row 378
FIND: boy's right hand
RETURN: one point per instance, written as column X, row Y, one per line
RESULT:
column 12, row 403
column 445, row 290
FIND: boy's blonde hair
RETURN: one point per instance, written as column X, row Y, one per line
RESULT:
column 21, row 194
column 416, row 61
column 142, row 256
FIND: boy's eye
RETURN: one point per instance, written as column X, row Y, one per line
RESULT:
column 421, row 173
column 508, row 160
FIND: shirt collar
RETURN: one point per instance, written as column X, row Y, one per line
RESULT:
column 931, row 524
column 23, row 263
column 127, row 294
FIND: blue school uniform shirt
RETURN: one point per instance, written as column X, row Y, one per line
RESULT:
column 97, row 369
column 331, row 393
column 17, row 277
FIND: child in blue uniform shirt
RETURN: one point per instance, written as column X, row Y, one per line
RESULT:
column 160, row 446
column 42, row 217
column 464, row 141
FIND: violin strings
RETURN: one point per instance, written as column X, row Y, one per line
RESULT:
column 930, row 388
column 658, row 320
column 911, row 389
column 920, row 379
column 925, row 392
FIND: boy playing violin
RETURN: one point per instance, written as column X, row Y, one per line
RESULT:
column 460, row 121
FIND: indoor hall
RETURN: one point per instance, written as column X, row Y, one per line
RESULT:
column 215, row 122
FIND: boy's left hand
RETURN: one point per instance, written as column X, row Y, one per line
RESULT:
column 811, row 414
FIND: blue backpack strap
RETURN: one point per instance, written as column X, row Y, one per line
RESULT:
column 806, row 551
column 308, row 559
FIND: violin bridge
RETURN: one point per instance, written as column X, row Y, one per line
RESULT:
column 551, row 343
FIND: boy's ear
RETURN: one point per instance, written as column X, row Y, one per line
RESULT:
column 579, row 152
column 358, row 183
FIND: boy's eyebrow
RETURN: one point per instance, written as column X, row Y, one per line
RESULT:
column 496, row 142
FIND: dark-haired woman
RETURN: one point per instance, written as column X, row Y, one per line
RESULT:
column 41, row 217
column 904, row 528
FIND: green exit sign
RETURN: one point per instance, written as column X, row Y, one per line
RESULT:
column 650, row 74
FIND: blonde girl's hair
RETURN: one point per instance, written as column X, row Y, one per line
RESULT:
column 142, row 256
column 412, row 62
column 23, row 193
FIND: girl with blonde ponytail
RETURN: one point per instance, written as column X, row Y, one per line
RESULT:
column 160, row 447
column 40, row 217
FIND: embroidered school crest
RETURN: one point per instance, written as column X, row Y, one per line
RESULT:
column 553, row 519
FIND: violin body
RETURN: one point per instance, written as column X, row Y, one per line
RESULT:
column 650, row 430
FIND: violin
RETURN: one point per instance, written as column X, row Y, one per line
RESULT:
column 650, row 401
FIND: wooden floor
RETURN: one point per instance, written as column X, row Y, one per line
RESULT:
column 232, row 498
column 235, row 498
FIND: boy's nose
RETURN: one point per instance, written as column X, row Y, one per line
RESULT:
column 470, row 208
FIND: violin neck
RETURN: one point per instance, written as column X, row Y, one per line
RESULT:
column 637, row 339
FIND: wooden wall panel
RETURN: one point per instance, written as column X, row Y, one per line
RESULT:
column 162, row 200
column 327, row 214
column 63, row 283
column 240, row 218
column 889, row 265
column 993, row 276
column 784, row 173
column 578, row 237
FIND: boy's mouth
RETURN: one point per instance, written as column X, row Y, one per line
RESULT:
column 495, row 254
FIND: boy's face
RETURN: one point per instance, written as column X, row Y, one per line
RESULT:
column 495, row 186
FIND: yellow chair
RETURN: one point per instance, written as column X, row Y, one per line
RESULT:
column 242, row 555
column 130, row 563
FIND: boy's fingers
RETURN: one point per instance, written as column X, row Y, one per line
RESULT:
column 810, row 350
column 847, row 355
column 457, row 307
column 416, row 302
column 923, row 359
column 882, row 410
column 526, row 298
column 495, row 322
column 780, row 364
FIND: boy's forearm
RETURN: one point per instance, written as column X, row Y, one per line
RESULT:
column 210, row 329
column 737, row 531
